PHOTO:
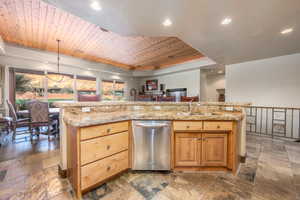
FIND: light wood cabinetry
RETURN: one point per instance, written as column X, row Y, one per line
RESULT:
column 97, row 153
column 103, row 169
column 188, row 125
column 215, row 126
column 214, row 149
column 100, row 152
column 209, row 147
column 187, row 149
column 102, row 130
column 101, row 147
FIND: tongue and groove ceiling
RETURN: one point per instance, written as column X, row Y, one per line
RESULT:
column 136, row 38
column 36, row 24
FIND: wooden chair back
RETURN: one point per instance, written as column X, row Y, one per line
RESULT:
column 12, row 110
column 189, row 99
column 38, row 111
column 82, row 97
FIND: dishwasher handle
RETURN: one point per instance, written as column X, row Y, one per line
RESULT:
column 157, row 125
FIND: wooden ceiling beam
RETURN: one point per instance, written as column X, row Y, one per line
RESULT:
column 174, row 62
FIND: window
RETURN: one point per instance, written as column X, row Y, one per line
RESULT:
column 119, row 91
column 86, row 85
column 112, row 90
column 107, row 90
column 28, row 86
column 60, row 91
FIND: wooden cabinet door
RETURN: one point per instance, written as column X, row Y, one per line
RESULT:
column 187, row 149
column 214, row 149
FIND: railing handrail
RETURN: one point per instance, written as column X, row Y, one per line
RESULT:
column 274, row 121
column 273, row 107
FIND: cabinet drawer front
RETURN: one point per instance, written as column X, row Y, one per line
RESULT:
column 101, row 130
column 188, row 126
column 101, row 147
column 100, row 170
column 210, row 126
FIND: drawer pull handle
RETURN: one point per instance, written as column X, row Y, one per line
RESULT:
column 107, row 147
column 108, row 130
column 218, row 126
column 108, row 168
column 199, row 138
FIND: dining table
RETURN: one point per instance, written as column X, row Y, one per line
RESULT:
column 53, row 114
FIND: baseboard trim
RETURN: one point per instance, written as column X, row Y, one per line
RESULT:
column 62, row 172
column 243, row 159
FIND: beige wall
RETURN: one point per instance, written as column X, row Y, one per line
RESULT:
column 270, row 82
column 209, row 85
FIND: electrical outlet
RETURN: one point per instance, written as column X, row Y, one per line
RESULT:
column 86, row 109
column 230, row 108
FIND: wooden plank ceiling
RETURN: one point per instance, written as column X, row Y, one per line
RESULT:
column 36, row 24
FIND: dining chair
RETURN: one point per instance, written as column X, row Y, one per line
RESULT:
column 17, row 122
column 82, row 97
column 39, row 117
column 189, row 99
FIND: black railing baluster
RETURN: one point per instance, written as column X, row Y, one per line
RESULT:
column 261, row 116
column 272, row 123
column 267, row 117
column 285, row 110
column 299, row 124
column 280, row 127
column 292, row 124
column 255, row 119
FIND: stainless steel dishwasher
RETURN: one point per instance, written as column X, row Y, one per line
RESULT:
column 151, row 145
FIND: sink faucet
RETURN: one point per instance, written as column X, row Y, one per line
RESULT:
column 190, row 105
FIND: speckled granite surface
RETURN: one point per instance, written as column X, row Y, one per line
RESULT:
column 89, row 119
column 137, row 103
column 106, row 112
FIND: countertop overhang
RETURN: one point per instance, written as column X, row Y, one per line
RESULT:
column 107, row 112
column 63, row 104
column 83, row 120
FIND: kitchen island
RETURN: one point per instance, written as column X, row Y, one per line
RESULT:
column 97, row 142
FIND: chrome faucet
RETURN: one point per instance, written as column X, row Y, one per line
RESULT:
column 190, row 106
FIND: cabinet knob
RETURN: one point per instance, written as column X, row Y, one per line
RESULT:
column 204, row 139
column 107, row 147
column 108, row 168
column 108, row 130
column 218, row 126
column 187, row 126
column 199, row 138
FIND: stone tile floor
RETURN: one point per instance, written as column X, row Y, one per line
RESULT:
column 272, row 172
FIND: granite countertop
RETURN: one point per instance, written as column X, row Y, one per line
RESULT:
column 63, row 104
column 89, row 119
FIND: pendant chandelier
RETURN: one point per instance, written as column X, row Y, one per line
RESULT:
column 57, row 77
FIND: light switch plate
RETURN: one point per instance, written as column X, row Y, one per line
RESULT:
column 86, row 109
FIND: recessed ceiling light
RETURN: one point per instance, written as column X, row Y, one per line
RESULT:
column 286, row 31
column 95, row 5
column 167, row 22
column 226, row 21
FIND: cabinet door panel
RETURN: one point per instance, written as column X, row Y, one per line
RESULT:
column 214, row 149
column 187, row 151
